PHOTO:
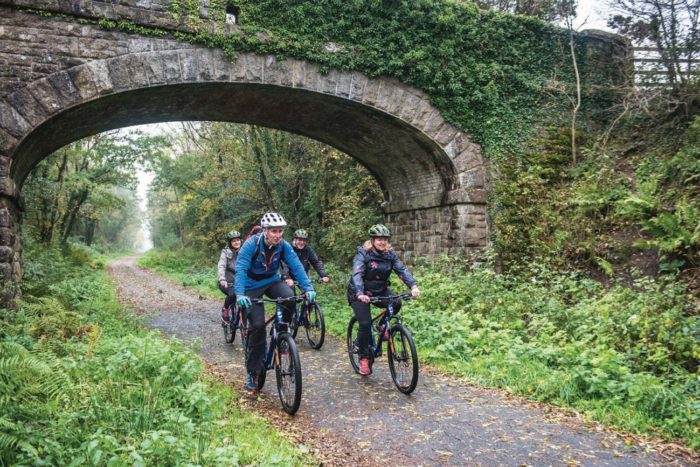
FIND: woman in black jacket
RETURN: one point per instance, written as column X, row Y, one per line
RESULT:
column 371, row 268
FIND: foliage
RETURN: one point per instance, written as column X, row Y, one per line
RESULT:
column 672, row 28
column 86, row 190
column 83, row 383
column 548, row 10
column 626, row 355
column 226, row 176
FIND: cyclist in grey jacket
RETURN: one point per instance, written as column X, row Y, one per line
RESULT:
column 227, row 271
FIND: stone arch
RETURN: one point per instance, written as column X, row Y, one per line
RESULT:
column 432, row 174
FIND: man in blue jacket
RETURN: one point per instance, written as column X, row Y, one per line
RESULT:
column 257, row 273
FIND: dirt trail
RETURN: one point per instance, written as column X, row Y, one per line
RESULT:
column 445, row 421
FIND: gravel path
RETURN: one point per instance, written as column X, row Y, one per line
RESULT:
column 366, row 420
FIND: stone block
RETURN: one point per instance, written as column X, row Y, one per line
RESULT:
column 6, row 254
column 274, row 70
column 371, row 92
column 254, row 68
column 8, row 187
column 100, row 76
column 466, row 195
column 468, row 159
column 7, row 236
column 238, row 68
column 423, row 112
column 396, row 99
column 329, row 82
column 188, row 65
column 344, row 83
column 473, row 178
column 205, row 65
column 45, row 94
column 65, row 89
column 222, row 66
column 138, row 44
column 297, row 73
column 6, row 218
column 32, row 111
column 83, row 80
column 409, row 107
column 312, row 76
column 6, row 271
column 154, row 68
column 119, row 75
column 384, row 94
column 136, row 64
column 7, row 143
column 433, row 124
column 12, row 122
column 357, row 86
column 446, row 134
column 171, row 66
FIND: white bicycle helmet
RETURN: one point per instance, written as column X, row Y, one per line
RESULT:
column 272, row 219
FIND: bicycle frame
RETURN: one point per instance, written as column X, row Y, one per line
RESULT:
column 301, row 314
column 384, row 317
column 278, row 327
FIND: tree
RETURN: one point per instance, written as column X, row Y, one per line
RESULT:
column 548, row 10
column 671, row 27
column 84, row 183
column 226, row 176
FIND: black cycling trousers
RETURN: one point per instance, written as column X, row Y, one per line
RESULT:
column 230, row 294
column 364, row 320
column 256, row 321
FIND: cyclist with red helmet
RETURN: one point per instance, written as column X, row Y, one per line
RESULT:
column 371, row 268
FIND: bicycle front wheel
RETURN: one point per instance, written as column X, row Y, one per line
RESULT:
column 288, row 370
column 315, row 326
column 403, row 359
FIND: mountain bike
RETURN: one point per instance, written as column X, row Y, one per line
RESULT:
column 310, row 316
column 237, row 321
column 281, row 354
column 401, row 350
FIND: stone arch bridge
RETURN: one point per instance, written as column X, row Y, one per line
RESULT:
column 64, row 79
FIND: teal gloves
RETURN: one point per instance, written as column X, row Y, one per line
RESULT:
column 243, row 301
column 312, row 296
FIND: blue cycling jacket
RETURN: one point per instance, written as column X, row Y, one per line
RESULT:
column 253, row 271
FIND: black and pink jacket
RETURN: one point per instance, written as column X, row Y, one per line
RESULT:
column 371, row 271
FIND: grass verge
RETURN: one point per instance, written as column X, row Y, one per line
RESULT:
column 83, row 382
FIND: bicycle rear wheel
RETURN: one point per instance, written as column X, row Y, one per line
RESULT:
column 231, row 326
column 403, row 359
column 288, row 371
column 315, row 326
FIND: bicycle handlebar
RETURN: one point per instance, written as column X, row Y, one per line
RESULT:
column 318, row 281
column 293, row 298
column 392, row 298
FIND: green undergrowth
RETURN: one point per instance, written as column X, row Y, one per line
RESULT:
column 82, row 382
column 627, row 356
column 186, row 267
column 624, row 355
